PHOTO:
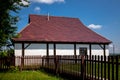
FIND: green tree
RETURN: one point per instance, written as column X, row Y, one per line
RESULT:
column 8, row 21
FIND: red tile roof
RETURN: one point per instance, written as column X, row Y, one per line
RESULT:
column 58, row 29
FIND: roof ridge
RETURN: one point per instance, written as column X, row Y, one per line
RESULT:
column 53, row 16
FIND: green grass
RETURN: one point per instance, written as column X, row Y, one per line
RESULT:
column 27, row 75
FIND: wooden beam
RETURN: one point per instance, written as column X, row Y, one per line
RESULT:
column 75, row 56
column 90, row 51
column 22, row 58
column 54, row 45
column 104, row 49
column 27, row 45
column 47, row 47
column 74, row 49
column 101, row 46
column 23, row 50
column 55, row 58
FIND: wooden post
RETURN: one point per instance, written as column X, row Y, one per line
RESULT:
column 104, row 50
column 57, row 64
column 22, row 57
column 54, row 49
column 82, row 67
column 75, row 53
column 55, row 61
column 47, row 47
column 90, row 51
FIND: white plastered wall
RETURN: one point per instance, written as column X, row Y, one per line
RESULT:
column 36, row 49
column 51, row 52
column 31, row 50
column 39, row 49
column 97, row 50
column 18, row 49
column 64, row 49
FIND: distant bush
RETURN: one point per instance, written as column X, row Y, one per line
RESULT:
column 7, row 53
column 3, row 54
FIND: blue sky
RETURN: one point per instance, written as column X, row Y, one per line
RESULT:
column 102, row 16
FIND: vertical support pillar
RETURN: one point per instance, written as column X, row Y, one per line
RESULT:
column 83, row 67
column 47, row 47
column 75, row 53
column 55, row 61
column 54, row 45
column 104, row 50
column 90, row 51
column 22, row 57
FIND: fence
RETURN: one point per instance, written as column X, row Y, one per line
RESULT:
column 27, row 62
column 72, row 67
column 84, row 68
column 6, row 62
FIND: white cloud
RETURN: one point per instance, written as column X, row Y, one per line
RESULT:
column 48, row 1
column 37, row 9
column 93, row 26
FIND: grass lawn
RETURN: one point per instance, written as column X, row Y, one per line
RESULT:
column 27, row 75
